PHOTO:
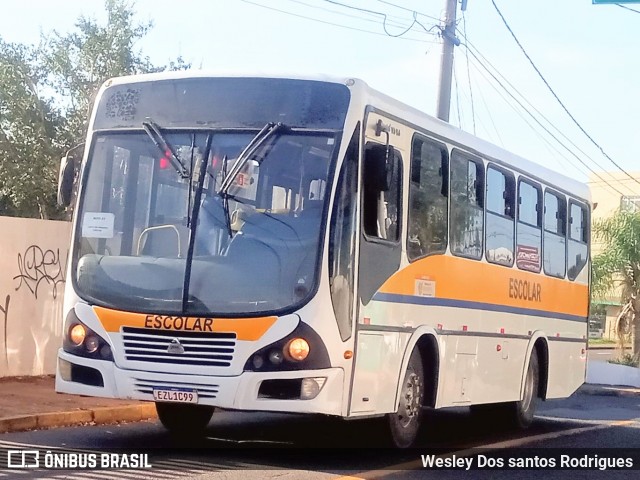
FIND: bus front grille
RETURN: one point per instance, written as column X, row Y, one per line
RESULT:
column 211, row 349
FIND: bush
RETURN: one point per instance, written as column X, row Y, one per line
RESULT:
column 626, row 359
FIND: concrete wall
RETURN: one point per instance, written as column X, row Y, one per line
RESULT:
column 33, row 259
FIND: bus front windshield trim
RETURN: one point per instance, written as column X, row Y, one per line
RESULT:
column 253, row 249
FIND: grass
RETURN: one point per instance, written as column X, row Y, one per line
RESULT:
column 601, row 341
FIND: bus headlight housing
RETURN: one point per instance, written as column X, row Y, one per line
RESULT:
column 78, row 339
column 302, row 349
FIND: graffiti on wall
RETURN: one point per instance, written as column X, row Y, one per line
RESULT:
column 38, row 266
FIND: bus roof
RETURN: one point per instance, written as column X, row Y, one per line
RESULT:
column 362, row 92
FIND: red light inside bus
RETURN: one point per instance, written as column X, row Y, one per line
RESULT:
column 164, row 161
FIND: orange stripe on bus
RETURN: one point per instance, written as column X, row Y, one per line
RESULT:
column 249, row 329
column 457, row 278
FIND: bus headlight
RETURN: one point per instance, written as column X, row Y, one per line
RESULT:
column 297, row 349
column 77, row 334
column 302, row 349
column 80, row 340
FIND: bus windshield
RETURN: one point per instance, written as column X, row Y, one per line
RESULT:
column 255, row 246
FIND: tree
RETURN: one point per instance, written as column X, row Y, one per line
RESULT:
column 80, row 61
column 30, row 126
column 616, row 270
column 36, row 129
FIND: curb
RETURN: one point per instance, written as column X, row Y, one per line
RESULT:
column 609, row 390
column 97, row 416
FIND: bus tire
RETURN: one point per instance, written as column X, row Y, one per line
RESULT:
column 405, row 422
column 182, row 419
column 522, row 412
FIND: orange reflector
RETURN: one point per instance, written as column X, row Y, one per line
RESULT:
column 464, row 328
column 348, row 354
column 366, row 320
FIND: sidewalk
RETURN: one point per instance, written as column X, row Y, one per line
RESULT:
column 30, row 403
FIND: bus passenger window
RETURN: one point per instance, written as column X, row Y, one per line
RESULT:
column 555, row 230
column 428, row 190
column 529, row 234
column 467, row 200
column 578, row 240
column 500, row 217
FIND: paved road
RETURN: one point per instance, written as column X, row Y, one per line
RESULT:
column 244, row 446
column 601, row 354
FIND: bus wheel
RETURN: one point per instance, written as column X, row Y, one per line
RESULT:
column 179, row 418
column 405, row 422
column 522, row 412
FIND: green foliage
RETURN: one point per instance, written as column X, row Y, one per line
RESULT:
column 29, row 127
column 616, row 270
column 46, row 94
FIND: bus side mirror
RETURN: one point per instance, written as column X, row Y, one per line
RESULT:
column 65, row 180
column 379, row 167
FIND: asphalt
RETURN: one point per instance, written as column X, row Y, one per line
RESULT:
column 31, row 403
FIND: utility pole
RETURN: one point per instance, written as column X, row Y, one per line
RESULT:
column 449, row 40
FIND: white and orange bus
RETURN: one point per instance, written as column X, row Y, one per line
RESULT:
column 310, row 245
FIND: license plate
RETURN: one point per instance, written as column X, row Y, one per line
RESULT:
column 176, row 395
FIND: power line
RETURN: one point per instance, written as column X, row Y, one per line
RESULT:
column 334, row 24
column 538, row 121
column 546, row 141
column 532, row 106
column 358, row 17
column 409, row 10
column 382, row 14
column 556, row 96
column 473, row 111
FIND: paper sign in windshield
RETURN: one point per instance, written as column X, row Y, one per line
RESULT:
column 97, row 225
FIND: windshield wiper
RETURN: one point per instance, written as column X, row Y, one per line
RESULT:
column 153, row 130
column 269, row 130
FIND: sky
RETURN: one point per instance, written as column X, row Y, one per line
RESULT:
column 588, row 54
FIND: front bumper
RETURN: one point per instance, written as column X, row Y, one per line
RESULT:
column 237, row 392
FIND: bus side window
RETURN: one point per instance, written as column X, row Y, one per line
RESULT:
column 578, row 239
column 467, row 206
column 529, row 226
column 555, row 232
column 428, row 191
column 500, row 217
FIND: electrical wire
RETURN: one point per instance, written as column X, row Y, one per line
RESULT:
column 409, row 10
column 473, row 111
column 540, row 123
column 370, row 20
column 519, row 111
column 532, row 106
column 382, row 14
column 335, row 24
column 455, row 81
column 558, row 98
